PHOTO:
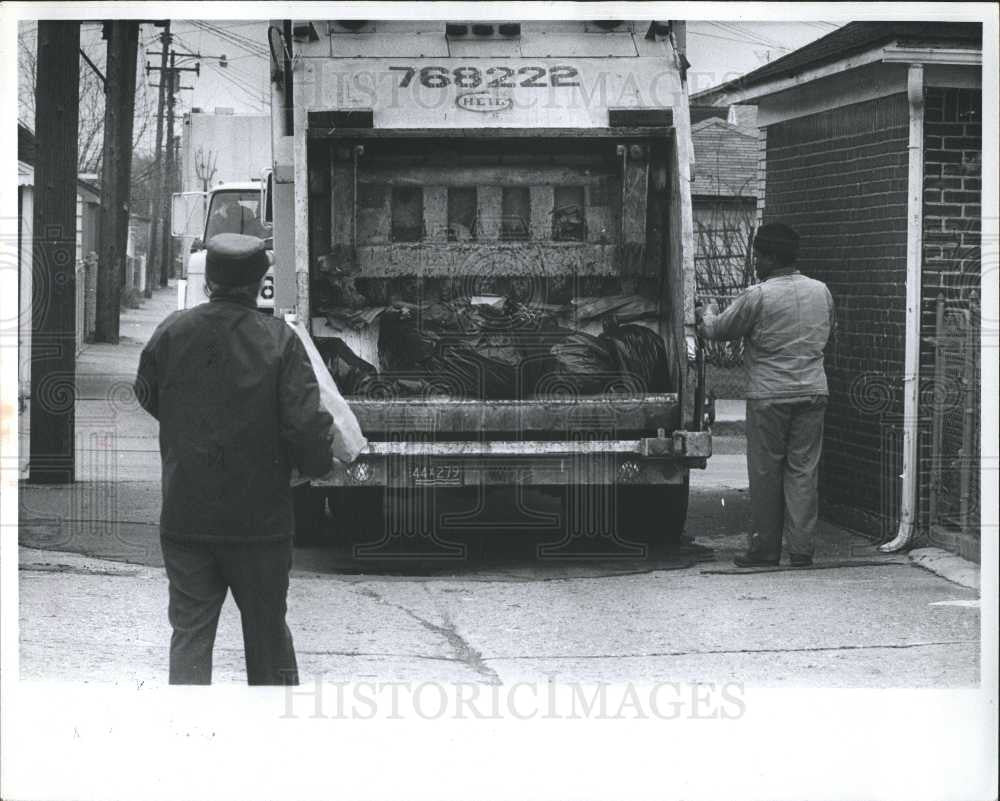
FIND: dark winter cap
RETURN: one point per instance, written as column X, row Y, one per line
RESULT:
column 777, row 240
column 235, row 259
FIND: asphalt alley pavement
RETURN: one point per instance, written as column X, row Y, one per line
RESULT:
column 93, row 594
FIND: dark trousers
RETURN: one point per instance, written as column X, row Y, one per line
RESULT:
column 199, row 576
column 784, row 443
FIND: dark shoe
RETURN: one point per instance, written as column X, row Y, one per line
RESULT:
column 800, row 560
column 749, row 560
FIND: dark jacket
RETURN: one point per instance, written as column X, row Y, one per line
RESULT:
column 786, row 321
column 238, row 406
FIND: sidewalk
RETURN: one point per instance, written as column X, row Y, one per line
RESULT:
column 115, row 437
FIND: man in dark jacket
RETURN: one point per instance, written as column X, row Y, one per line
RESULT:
column 238, row 406
column 785, row 321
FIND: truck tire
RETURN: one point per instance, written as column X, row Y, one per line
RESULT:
column 310, row 515
column 653, row 516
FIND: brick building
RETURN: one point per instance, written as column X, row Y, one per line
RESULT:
column 870, row 147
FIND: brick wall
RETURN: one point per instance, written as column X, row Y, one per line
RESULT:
column 951, row 271
column 840, row 179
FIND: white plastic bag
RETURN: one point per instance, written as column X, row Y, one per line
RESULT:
column 348, row 440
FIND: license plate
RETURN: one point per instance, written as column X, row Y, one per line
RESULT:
column 437, row 475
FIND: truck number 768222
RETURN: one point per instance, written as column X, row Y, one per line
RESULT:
column 469, row 77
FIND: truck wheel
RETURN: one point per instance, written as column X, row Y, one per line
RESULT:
column 653, row 516
column 310, row 515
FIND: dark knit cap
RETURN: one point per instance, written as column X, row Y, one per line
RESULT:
column 235, row 259
column 777, row 240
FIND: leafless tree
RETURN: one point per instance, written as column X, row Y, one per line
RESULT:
column 204, row 167
column 91, row 124
column 723, row 235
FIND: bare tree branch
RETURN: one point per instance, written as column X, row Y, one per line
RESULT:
column 204, row 167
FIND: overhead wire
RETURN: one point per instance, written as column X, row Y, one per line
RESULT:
column 750, row 36
column 244, row 43
column 238, row 79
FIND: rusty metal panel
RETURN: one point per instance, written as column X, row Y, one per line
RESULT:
column 456, row 259
column 534, row 417
column 490, row 200
column 343, row 212
column 519, row 170
column 635, row 188
column 436, row 213
column 542, row 201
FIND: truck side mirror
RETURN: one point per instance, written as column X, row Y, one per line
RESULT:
column 187, row 214
column 265, row 207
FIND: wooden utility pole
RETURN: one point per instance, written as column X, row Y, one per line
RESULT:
column 166, row 248
column 116, row 173
column 158, row 206
column 53, row 320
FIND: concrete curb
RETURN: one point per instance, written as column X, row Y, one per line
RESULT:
column 947, row 565
column 40, row 561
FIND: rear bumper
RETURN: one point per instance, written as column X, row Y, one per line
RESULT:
column 650, row 460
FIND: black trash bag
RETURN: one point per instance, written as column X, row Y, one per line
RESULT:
column 582, row 365
column 479, row 375
column 403, row 343
column 642, row 357
column 347, row 368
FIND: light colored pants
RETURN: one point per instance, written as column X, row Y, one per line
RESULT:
column 784, row 443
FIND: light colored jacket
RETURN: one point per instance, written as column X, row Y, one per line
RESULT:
column 785, row 321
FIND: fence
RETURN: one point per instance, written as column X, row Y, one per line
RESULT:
column 952, row 461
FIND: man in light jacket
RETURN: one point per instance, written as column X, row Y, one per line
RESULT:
column 238, row 406
column 785, row 321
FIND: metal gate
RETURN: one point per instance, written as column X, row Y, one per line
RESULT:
column 954, row 400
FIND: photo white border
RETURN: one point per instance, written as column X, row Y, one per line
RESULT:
column 81, row 742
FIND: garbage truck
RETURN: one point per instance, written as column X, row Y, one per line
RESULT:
column 486, row 228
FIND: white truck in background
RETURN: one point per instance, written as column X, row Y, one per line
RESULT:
column 227, row 208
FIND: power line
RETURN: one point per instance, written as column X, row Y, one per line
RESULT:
column 747, row 31
column 244, row 43
column 256, row 99
column 750, row 36
column 716, row 36
column 234, row 77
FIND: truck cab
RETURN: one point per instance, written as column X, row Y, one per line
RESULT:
column 233, row 208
